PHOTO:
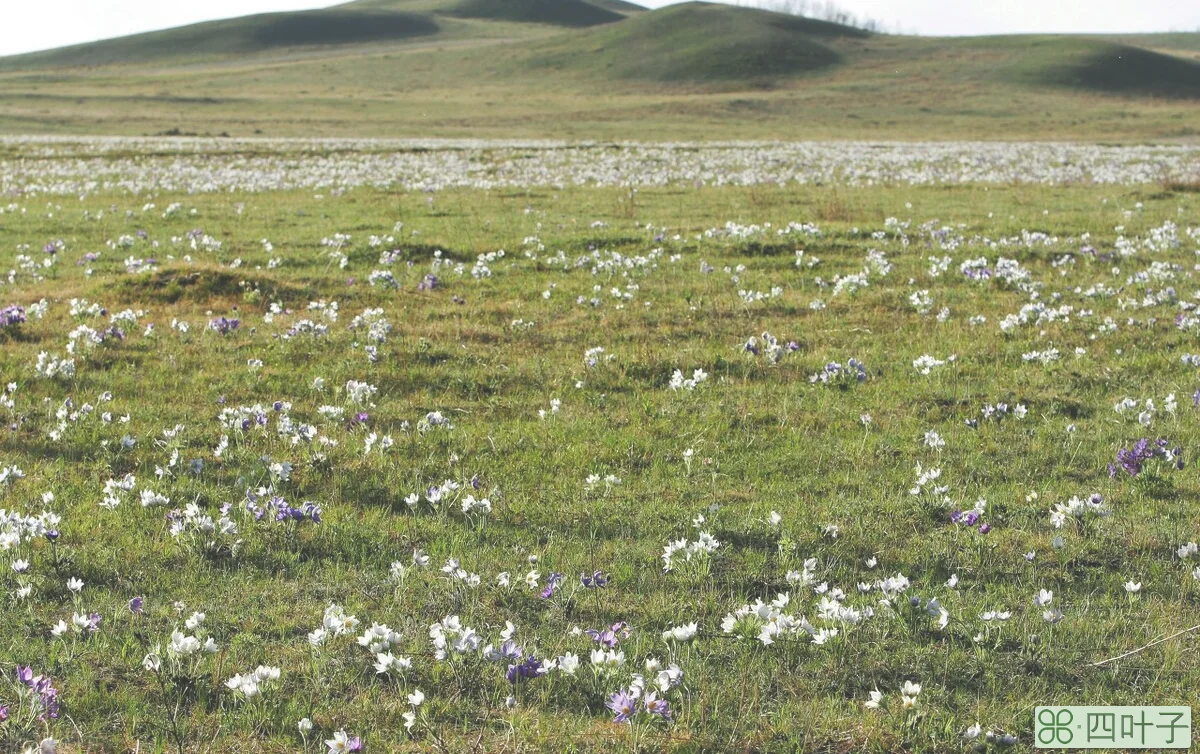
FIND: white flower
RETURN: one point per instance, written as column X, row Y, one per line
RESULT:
column 568, row 663
column 669, row 678
column 1133, row 588
column 74, row 584
column 911, row 689
column 305, row 725
column 875, row 697
column 339, row 743
column 416, row 698
column 246, row 684
column 386, row 662
column 684, row 633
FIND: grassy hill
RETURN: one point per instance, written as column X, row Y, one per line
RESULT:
column 1128, row 69
column 557, row 12
column 237, row 36
column 1097, row 65
column 602, row 69
column 697, row 42
column 366, row 21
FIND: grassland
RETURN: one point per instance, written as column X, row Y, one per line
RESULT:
column 582, row 71
column 490, row 351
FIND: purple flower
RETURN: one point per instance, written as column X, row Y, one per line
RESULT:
column 552, row 585
column 610, row 636
column 10, row 316
column 135, row 605
column 596, row 581
column 623, row 705
column 354, row 744
column 224, row 325
column 985, row 528
column 530, row 668
column 284, row 512
column 967, row 518
column 1132, row 460
column 660, row 707
column 43, row 687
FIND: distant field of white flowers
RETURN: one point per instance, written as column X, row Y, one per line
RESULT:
column 71, row 166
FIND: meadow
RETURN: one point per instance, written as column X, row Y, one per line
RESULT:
column 302, row 453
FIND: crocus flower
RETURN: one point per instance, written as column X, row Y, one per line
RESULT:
column 551, row 585
column 659, row 707
column 622, row 705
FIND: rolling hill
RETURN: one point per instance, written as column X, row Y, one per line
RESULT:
column 601, row 69
column 697, row 42
column 237, row 36
column 352, row 23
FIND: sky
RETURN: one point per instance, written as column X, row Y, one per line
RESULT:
column 41, row 24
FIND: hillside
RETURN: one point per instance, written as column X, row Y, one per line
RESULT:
column 601, row 69
column 365, row 21
column 1102, row 66
column 558, row 12
column 697, row 42
column 237, row 36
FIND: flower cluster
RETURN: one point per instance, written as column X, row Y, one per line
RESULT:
column 1132, row 460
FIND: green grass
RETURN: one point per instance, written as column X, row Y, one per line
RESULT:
column 691, row 71
column 1100, row 66
column 248, row 34
column 764, row 439
column 557, row 12
column 696, row 42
